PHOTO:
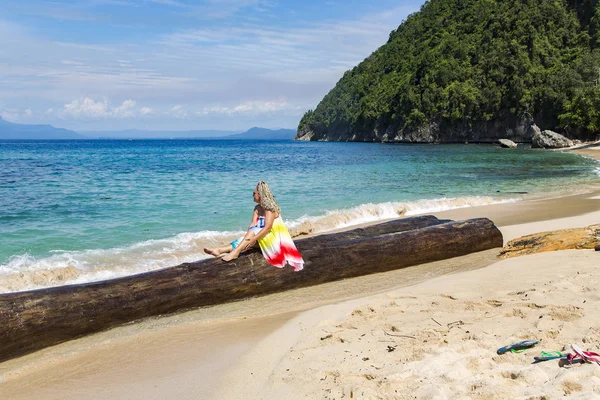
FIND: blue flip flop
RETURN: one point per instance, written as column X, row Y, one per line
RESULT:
column 525, row 344
column 547, row 356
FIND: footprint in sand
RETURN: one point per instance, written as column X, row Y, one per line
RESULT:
column 346, row 325
column 495, row 303
column 476, row 306
column 594, row 332
column 529, row 377
column 363, row 311
column 516, row 312
column 513, row 375
column 570, row 387
column 447, row 296
column 530, row 305
column 521, row 292
column 474, row 365
column 550, row 333
column 566, row 313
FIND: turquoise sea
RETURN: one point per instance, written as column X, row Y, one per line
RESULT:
column 79, row 211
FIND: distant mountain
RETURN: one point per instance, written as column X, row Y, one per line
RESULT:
column 9, row 130
column 12, row 131
column 265, row 134
column 144, row 134
column 253, row 133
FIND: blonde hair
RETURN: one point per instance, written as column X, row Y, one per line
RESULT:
column 267, row 201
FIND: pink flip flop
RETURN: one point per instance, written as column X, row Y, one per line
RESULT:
column 586, row 356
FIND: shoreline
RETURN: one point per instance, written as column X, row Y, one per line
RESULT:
column 227, row 350
column 77, row 265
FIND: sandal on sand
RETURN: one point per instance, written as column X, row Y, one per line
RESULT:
column 549, row 355
column 515, row 347
column 585, row 356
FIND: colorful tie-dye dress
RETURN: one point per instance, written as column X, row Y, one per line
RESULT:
column 278, row 248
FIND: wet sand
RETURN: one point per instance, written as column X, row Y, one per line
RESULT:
column 243, row 349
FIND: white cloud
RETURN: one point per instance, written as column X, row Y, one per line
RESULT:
column 188, row 73
column 125, row 110
column 221, row 9
column 179, row 112
column 16, row 115
column 261, row 106
column 252, row 107
column 8, row 116
column 71, row 62
column 304, row 47
column 87, row 108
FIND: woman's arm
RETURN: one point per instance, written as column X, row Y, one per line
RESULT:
column 269, row 218
column 254, row 217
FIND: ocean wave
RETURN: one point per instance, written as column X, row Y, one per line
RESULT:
column 371, row 212
column 25, row 272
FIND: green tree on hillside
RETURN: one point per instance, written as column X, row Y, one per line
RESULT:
column 466, row 62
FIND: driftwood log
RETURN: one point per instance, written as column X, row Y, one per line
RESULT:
column 36, row 319
column 562, row 239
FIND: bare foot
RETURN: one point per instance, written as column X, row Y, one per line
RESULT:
column 213, row 252
column 229, row 257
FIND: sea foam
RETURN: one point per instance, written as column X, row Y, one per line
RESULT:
column 368, row 213
column 25, row 272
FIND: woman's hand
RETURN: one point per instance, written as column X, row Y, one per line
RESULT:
column 250, row 243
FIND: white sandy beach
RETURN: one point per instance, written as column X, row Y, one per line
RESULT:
column 426, row 332
column 439, row 339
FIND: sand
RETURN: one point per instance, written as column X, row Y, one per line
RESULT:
column 439, row 339
column 591, row 150
column 429, row 331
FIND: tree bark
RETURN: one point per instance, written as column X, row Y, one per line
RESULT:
column 36, row 319
column 562, row 239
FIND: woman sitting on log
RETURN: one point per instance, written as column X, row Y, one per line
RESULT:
column 267, row 228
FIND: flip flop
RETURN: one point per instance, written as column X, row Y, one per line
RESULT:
column 552, row 355
column 586, row 356
column 515, row 347
column 569, row 361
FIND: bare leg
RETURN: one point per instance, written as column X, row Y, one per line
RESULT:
column 241, row 247
column 217, row 251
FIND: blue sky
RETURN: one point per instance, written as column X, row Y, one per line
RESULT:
column 181, row 64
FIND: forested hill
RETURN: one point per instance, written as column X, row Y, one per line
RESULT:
column 472, row 70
